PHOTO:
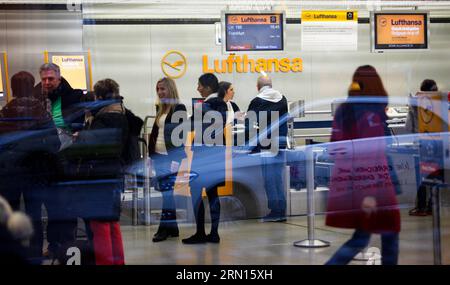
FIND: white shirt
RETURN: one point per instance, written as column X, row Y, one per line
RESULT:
column 212, row 95
column 230, row 113
column 160, row 146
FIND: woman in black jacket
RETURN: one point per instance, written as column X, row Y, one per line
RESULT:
column 166, row 154
column 226, row 92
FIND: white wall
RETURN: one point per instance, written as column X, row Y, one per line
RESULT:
column 123, row 53
column 131, row 54
column 26, row 34
column 2, row 31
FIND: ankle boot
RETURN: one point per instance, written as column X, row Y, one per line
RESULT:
column 172, row 228
column 169, row 218
column 166, row 229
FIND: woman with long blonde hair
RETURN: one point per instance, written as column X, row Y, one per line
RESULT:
column 165, row 154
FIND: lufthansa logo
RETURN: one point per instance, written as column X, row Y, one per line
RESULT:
column 174, row 64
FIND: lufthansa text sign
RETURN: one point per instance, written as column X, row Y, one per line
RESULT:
column 244, row 64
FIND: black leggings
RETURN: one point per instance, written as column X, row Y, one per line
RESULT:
column 199, row 209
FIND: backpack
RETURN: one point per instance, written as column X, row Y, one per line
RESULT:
column 132, row 151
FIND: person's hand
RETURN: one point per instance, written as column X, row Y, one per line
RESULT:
column 75, row 135
column 240, row 116
column 369, row 205
column 174, row 166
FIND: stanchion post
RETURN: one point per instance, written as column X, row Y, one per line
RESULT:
column 147, row 174
column 147, row 209
column 134, row 218
column 311, row 242
column 435, row 196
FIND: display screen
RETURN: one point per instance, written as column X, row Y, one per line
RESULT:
column 196, row 103
column 400, row 31
column 253, row 32
column 1, row 83
column 73, row 69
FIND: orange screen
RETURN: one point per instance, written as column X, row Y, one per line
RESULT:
column 401, row 29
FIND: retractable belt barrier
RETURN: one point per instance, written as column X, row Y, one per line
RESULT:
column 311, row 241
column 147, row 173
column 436, row 201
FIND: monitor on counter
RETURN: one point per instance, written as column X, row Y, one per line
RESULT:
column 75, row 68
column 1, row 83
column 253, row 32
column 403, row 31
column 196, row 102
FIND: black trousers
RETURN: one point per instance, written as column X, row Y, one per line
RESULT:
column 199, row 209
column 209, row 164
column 62, row 224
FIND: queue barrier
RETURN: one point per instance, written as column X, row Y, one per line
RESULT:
column 436, row 201
column 311, row 241
column 147, row 170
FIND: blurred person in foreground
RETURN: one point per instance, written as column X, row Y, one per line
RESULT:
column 362, row 195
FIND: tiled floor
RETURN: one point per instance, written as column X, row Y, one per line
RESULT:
column 255, row 242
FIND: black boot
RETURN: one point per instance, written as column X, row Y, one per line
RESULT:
column 167, row 227
column 195, row 239
column 213, row 237
column 161, row 234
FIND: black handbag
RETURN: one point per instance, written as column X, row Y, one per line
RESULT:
column 98, row 199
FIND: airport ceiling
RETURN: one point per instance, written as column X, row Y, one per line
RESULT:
column 148, row 9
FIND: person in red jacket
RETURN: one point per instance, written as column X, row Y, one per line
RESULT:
column 362, row 195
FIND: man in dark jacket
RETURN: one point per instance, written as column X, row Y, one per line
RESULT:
column 68, row 116
column 271, row 138
column 64, row 100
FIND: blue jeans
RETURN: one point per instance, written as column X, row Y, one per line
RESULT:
column 359, row 241
column 273, row 173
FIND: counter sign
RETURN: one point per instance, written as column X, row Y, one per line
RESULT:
column 329, row 30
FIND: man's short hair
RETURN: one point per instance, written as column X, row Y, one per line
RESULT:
column 50, row 66
column 107, row 89
column 264, row 81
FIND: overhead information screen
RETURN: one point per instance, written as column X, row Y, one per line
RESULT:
column 400, row 31
column 254, row 32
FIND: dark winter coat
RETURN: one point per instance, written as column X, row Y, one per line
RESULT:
column 72, row 111
column 214, row 104
column 258, row 105
column 24, row 113
column 106, row 138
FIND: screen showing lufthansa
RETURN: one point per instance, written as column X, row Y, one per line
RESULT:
column 254, row 32
column 400, row 31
